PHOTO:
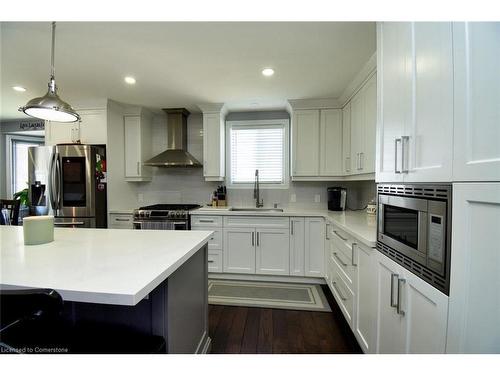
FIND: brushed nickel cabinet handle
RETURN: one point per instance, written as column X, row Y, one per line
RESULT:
column 338, row 235
column 392, row 304
column 340, row 260
column 396, row 170
column 404, row 162
column 253, row 240
column 398, row 307
column 334, row 283
column 353, row 245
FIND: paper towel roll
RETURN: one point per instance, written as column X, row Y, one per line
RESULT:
column 38, row 230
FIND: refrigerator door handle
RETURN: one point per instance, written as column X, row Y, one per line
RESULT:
column 52, row 181
column 57, row 183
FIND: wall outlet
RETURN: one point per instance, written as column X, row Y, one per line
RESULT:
column 140, row 197
column 293, row 198
column 317, row 198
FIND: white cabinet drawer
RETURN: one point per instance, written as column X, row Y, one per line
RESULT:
column 342, row 293
column 121, row 221
column 343, row 263
column 256, row 222
column 206, row 221
column 343, row 242
column 214, row 260
column 215, row 241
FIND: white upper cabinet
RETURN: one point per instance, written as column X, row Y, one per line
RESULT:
column 330, row 158
column 430, row 133
column 92, row 129
column 305, row 142
column 346, row 139
column 474, row 311
column 138, row 139
column 415, row 102
column 394, row 96
column 317, row 143
column 363, row 128
column 476, row 48
column 214, row 163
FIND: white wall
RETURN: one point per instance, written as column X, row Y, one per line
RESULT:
column 174, row 185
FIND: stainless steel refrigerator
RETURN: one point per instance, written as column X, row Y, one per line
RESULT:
column 69, row 182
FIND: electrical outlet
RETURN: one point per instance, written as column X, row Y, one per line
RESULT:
column 317, row 198
column 140, row 197
column 293, row 198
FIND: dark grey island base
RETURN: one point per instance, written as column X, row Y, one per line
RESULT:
column 176, row 310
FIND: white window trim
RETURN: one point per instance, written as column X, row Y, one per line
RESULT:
column 8, row 158
column 286, row 153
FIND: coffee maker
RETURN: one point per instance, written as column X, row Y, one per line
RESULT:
column 337, row 197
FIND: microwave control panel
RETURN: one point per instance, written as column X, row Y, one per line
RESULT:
column 436, row 238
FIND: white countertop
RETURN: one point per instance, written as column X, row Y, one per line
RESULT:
column 109, row 266
column 357, row 223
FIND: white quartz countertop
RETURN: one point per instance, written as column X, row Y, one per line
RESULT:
column 109, row 266
column 357, row 223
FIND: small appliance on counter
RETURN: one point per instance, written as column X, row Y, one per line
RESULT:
column 337, row 197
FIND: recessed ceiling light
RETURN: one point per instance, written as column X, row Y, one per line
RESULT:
column 18, row 88
column 130, row 80
column 267, row 72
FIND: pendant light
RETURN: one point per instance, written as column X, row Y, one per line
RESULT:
column 50, row 106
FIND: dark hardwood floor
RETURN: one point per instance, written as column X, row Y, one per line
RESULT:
column 253, row 330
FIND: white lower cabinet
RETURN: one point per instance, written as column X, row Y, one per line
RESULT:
column 239, row 250
column 272, row 252
column 214, row 261
column 314, row 260
column 411, row 314
column 121, row 221
column 365, row 316
column 474, row 312
column 297, row 246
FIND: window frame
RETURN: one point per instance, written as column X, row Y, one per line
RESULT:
column 9, row 157
column 285, row 123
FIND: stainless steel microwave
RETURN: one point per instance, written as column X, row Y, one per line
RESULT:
column 413, row 228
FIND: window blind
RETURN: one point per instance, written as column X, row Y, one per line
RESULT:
column 257, row 147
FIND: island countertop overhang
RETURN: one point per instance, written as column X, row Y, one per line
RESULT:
column 107, row 266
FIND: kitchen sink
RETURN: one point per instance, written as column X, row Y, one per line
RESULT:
column 255, row 209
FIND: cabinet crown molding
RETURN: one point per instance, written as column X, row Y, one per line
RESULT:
column 322, row 103
column 213, row 108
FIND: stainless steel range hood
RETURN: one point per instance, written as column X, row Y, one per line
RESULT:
column 176, row 154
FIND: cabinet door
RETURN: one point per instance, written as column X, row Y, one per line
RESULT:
column 390, row 324
column 426, row 315
column 357, row 128
column 476, row 148
column 272, row 252
column 365, row 322
column 314, row 260
column 305, row 143
column 213, row 147
column 346, row 139
column 239, row 250
column 133, row 150
column 330, row 142
column 297, row 246
column 474, row 311
column 367, row 157
column 91, row 129
column 430, row 134
column 394, row 74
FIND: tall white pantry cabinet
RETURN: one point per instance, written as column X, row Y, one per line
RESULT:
column 439, row 122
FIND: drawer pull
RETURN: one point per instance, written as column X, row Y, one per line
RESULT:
column 338, row 235
column 334, row 283
column 118, row 219
column 340, row 260
column 205, row 221
column 211, row 261
column 353, row 245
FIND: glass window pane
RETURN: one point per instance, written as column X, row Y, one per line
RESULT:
column 20, row 163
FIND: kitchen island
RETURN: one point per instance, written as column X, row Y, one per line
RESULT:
column 154, row 282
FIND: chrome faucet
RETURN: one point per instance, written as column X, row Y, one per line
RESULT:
column 256, row 191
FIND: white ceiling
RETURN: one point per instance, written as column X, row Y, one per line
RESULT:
column 181, row 64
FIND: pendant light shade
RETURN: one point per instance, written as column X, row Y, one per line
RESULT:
column 50, row 107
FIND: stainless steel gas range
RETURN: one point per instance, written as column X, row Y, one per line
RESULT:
column 164, row 216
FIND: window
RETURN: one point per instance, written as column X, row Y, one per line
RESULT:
column 17, row 161
column 257, row 145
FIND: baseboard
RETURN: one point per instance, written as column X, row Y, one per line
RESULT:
column 282, row 279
